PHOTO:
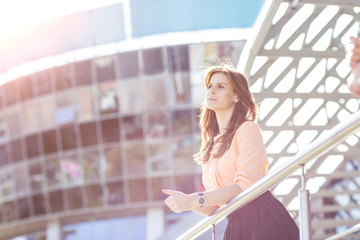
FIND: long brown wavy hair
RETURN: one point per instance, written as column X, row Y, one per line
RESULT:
column 245, row 110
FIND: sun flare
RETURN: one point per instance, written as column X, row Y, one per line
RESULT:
column 17, row 15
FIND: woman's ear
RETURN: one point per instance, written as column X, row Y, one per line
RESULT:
column 236, row 100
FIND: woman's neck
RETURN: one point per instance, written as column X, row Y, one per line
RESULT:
column 223, row 119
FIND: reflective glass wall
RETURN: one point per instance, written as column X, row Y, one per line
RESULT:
column 103, row 132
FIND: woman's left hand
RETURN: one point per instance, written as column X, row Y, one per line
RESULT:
column 178, row 201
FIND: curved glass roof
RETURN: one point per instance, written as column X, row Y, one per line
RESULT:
column 123, row 21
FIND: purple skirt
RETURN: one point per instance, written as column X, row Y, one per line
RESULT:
column 265, row 218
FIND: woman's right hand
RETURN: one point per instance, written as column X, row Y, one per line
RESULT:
column 180, row 202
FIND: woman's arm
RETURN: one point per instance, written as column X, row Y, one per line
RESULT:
column 205, row 210
column 180, row 202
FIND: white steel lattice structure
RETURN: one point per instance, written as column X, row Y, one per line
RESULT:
column 298, row 73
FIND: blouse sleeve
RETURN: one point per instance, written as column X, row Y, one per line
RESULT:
column 252, row 162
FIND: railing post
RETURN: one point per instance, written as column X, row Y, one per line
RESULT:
column 304, row 212
column 213, row 231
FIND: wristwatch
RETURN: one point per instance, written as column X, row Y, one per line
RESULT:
column 201, row 200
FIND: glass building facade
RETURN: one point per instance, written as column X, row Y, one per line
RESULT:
column 99, row 138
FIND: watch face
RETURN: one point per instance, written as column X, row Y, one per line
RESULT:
column 201, row 199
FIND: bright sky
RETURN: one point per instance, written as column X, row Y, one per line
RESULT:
column 16, row 15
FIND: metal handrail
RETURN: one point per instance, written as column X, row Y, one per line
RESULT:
column 346, row 233
column 314, row 150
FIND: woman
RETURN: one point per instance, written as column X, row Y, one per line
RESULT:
column 233, row 157
column 354, row 85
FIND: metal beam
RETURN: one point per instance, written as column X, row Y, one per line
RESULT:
column 340, row 3
column 276, row 53
column 254, row 43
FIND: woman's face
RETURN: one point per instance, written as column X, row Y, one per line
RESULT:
column 220, row 94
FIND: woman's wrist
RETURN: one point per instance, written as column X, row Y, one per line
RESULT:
column 193, row 200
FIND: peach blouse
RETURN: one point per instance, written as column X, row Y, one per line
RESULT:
column 243, row 163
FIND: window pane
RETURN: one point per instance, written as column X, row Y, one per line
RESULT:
column 7, row 185
column 68, row 137
column 63, row 77
column 2, row 218
column 56, row 201
column 158, row 165
column 66, row 109
column 71, row 169
column 159, row 183
column 94, row 195
column 82, row 73
column 153, row 61
column 131, row 98
column 4, row 131
column 156, row 123
column 114, row 166
column 42, row 82
column 4, row 154
column 178, row 58
column 39, row 204
column 196, row 123
column 37, row 176
column 22, row 179
column 183, row 150
column 10, row 93
column 91, row 166
column 23, row 206
column 181, row 122
column 155, row 89
column 65, row 115
column 49, row 141
column 138, row 190
column 14, row 117
column 158, row 153
column 108, row 98
column 89, row 134
column 133, row 127
column 181, row 85
column 74, row 198
column 32, row 145
column 105, row 68
column 30, row 112
column 86, row 104
column 135, row 157
column 25, row 88
column 231, row 50
column 211, row 54
column 116, row 192
column 110, row 130
column 17, row 150
column 158, row 148
column 2, row 97
column 9, row 211
column 52, row 168
column 128, row 64
column 47, row 107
